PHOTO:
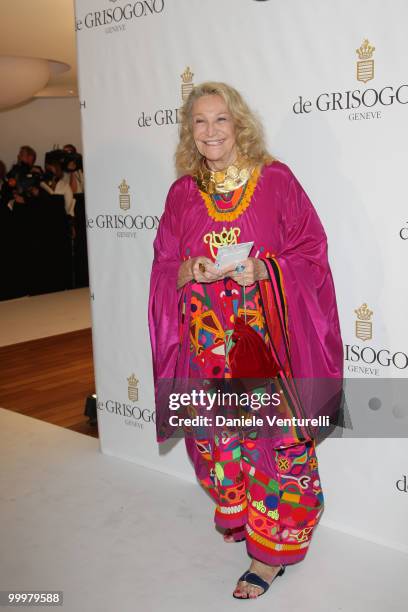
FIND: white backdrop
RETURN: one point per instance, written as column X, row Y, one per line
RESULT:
column 337, row 119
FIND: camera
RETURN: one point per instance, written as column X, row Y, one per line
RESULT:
column 21, row 179
column 70, row 162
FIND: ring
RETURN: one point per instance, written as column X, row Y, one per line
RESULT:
column 201, row 267
column 240, row 268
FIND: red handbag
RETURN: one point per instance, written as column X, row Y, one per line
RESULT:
column 250, row 356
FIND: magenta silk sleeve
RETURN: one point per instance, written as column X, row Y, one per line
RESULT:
column 314, row 331
column 168, row 325
column 304, row 279
column 164, row 297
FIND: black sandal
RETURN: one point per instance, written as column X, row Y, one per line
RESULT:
column 255, row 580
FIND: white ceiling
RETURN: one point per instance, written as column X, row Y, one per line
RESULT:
column 42, row 28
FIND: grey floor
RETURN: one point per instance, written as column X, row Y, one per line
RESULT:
column 38, row 316
column 116, row 537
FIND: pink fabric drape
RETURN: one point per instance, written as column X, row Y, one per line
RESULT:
column 284, row 225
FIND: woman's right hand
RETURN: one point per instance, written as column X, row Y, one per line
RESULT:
column 192, row 269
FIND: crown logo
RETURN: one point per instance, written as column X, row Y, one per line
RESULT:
column 187, row 75
column 223, row 238
column 364, row 313
column 133, row 391
column 124, row 197
column 364, row 326
column 365, row 65
column 187, row 84
column 124, row 187
column 365, row 51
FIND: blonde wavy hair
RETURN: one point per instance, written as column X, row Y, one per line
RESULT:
column 248, row 129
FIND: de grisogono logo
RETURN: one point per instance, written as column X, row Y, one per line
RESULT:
column 370, row 101
column 132, row 414
column 366, row 359
column 115, row 18
column 125, row 225
column 168, row 116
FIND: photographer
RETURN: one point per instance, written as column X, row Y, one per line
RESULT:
column 72, row 166
column 13, row 186
column 53, row 183
column 17, row 190
column 73, row 176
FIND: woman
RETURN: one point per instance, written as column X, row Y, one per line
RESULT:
column 267, row 490
column 73, row 174
column 57, row 186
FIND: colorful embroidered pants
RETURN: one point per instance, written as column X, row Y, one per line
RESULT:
column 273, row 496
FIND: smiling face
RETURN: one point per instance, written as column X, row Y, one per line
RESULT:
column 213, row 131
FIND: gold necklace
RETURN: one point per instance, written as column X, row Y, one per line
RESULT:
column 222, row 181
column 244, row 201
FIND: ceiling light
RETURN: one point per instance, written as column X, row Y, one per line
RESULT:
column 23, row 77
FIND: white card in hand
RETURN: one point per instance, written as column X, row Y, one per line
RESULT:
column 232, row 254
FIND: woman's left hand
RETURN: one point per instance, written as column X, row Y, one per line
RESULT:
column 254, row 270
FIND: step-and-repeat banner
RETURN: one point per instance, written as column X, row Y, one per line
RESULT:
column 330, row 84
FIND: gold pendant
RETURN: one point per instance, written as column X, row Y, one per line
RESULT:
column 241, row 206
